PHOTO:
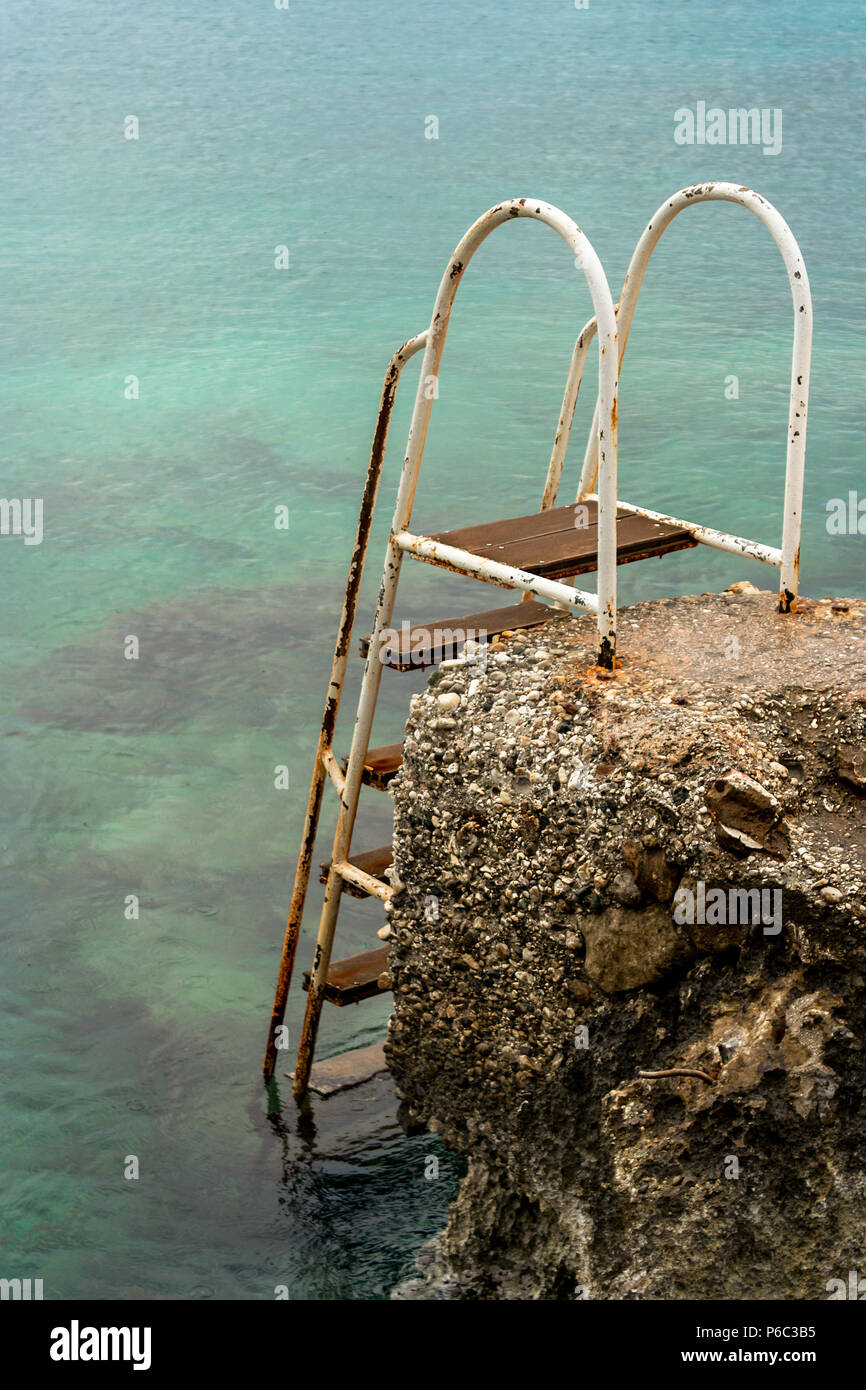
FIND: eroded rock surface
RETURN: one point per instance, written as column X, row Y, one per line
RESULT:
column 661, row 871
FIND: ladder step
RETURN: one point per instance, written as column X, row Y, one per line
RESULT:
column 380, row 765
column 371, row 861
column 355, row 978
column 563, row 541
column 426, row 644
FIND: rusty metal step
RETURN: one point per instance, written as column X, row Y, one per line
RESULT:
column 371, row 861
column 355, row 978
column 563, row 541
column 426, row 644
column 380, row 765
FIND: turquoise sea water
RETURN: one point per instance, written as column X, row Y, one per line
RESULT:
column 154, row 258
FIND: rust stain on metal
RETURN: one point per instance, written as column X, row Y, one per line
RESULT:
column 606, row 654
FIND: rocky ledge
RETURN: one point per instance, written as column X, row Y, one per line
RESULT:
column 629, row 950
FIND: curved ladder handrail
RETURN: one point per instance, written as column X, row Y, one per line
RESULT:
column 605, row 421
column 800, row 364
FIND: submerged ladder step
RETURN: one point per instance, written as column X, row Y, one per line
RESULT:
column 355, row 978
column 563, row 541
column 426, row 644
column 380, row 765
column 370, row 861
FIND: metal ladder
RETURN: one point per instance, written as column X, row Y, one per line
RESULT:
column 532, row 554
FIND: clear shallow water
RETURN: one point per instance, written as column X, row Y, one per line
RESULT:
column 258, row 388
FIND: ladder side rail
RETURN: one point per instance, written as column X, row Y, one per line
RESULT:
column 587, row 258
column 566, row 415
column 800, row 361
column 324, row 755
